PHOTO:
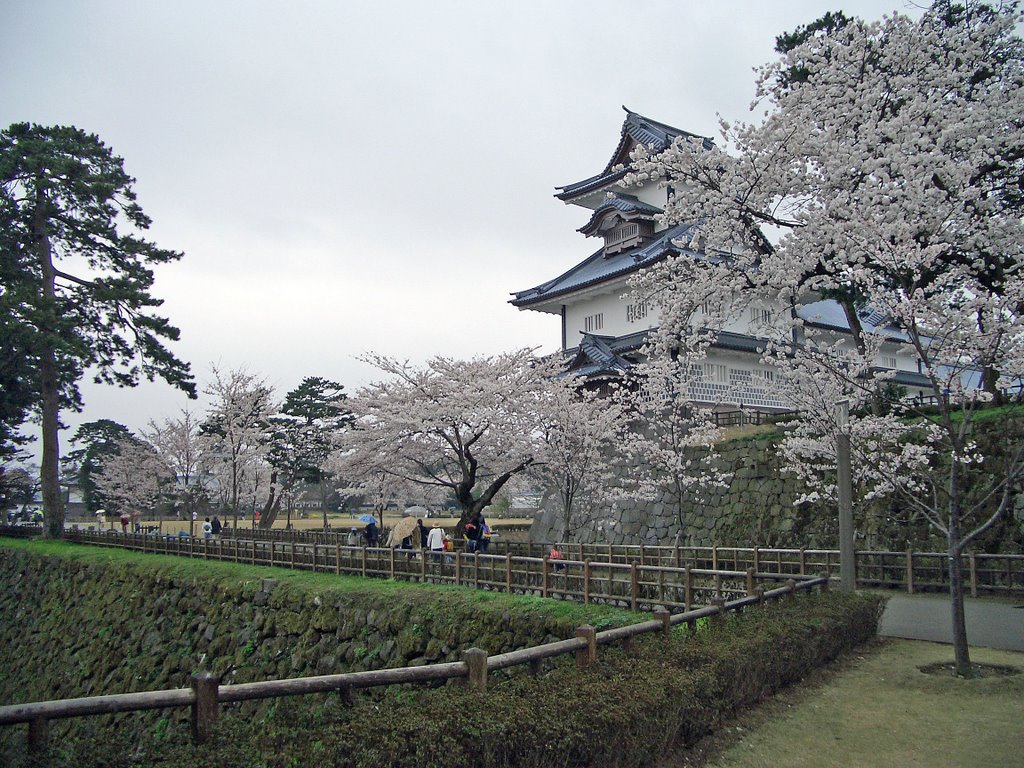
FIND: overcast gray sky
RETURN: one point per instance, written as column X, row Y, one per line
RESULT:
column 345, row 177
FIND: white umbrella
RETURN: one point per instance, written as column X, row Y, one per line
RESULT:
column 417, row 511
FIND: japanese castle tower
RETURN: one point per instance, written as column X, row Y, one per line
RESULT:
column 603, row 330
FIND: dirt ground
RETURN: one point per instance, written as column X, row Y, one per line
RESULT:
column 312, row 522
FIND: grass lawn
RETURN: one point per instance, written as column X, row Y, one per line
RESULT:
column 877, row 709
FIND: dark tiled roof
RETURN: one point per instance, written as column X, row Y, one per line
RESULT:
column 595, row 356
column 740, row 342
column 636, row 129
column 598, row 269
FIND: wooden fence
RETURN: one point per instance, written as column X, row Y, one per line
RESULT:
column 629, row 584
column 985, row 574
column 206, row 694
column 910, row 571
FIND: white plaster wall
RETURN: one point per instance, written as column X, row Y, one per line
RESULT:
column 612, row 307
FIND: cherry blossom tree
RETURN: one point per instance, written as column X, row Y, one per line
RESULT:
column 672, row 439
column 886, row 171
column 582, row 436
column 462, row 426
column 236, row 437
column 132, row 478
column 180, row 445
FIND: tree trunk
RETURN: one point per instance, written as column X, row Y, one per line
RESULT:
column 961, row 650
column 49, row 380
column 269, row 512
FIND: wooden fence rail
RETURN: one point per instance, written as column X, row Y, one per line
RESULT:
column 906, row 570
column 631, row 585
column 206, row 694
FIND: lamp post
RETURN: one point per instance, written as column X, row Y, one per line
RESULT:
column 847, row 558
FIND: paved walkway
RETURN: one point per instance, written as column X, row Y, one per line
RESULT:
column 990, row 623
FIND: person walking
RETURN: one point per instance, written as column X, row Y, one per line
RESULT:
column 216, row 526
column 207, row 528
column 435, row 539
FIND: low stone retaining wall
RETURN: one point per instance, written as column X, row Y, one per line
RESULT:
column 76, row 628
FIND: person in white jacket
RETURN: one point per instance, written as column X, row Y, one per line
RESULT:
column 435, row 539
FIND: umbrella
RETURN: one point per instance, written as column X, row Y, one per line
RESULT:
column 366, row 519
column 402, row 528
column 417, row 511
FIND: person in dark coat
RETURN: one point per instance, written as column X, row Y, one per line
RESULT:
column 372, row 535
column 474, row 529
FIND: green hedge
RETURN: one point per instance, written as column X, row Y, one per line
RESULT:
column 661, row 694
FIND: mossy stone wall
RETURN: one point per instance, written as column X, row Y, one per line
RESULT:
column 759, row 508
column 74, row 628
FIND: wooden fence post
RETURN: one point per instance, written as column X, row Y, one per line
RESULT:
column 363, row 564
column 661, row 614
column 825, row 584
column 974, row 574
column 458, row 566
column 204, row 710
column 688, row 591
column 757, row 559
column 545, row 570
column 586, row 582
column 634, row 586
column 508, row 571
column 476, row 662
column 719, row 603
column 677, row 560
column 750, row 579
column 337, row 558
column 759, row 591
column 314, row 556
column 910, row 572
column 293, row 555
column 790, row 589
column 803, row 561
column 588, row 654
column 391, row 562
column 271, row 552
column 38, row 735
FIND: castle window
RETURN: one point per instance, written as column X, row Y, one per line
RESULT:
column 635, row 312
column 593, row 322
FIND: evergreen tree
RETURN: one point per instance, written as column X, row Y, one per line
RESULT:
column 94, row 441
column 76, row 287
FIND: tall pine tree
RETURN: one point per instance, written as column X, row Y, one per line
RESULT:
column 77, row 286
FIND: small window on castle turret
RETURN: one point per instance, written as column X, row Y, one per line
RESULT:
column 626, row 235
